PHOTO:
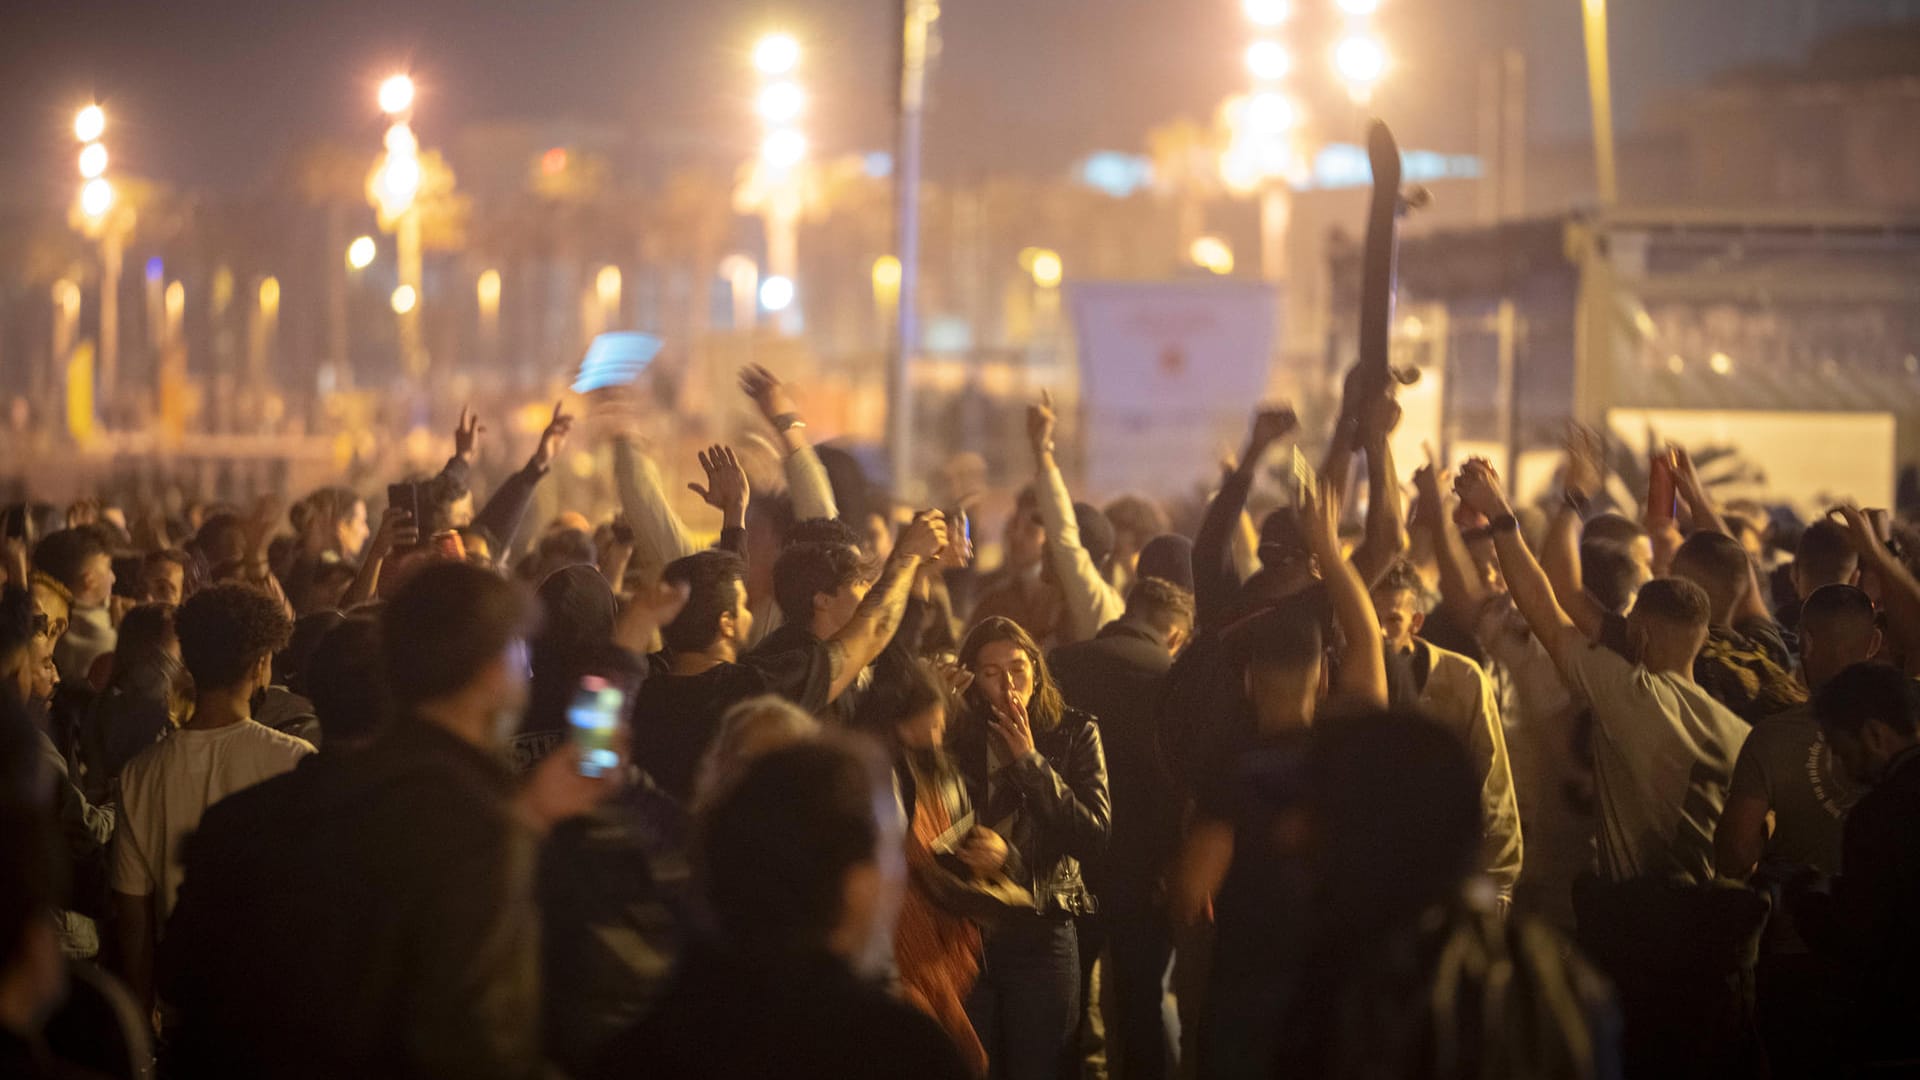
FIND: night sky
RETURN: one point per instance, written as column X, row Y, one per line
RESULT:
column 213, row 93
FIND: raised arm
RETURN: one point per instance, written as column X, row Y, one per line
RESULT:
column 1706, row 516
column 1560, row 558
column 1091, row 601
column 397, row 529
column 506, row 508
column 807, row 483
column 1363, row 663
column 878, row 616
column 1386, row 536
column 1899, row 591
column 1461, row 591
column 1527, row 584
column 1215, row 582
column 726, row 489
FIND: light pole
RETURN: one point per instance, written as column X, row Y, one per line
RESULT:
column 776, row 187
column 395, row 185
column 102, row 219
column 918, row 27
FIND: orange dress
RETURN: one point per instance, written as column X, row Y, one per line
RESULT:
column 938, row 952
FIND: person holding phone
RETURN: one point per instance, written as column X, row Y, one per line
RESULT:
column 1037, row 776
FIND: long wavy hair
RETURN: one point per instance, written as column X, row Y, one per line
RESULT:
column 1046, row 707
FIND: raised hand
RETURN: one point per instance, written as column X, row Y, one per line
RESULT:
column 1379, row 415
column 767, row 391
column 1270, row 425
column 1428, row 481
column 1479, row 488
column 1040, row 424
column 466, row 436
column 260, row 525
column 726, row 488
column 397, row 529
column 1586, row 470
column 1320, row 520
column 925, row 538
column 553, row 439
column 648, row 611
column 1686, row 477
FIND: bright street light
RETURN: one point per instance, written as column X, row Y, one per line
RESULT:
column 396, row 95
column 1359, row 7
column 1361, row 60
column 783, row 149
column 487, row 289
column 1211, row 253
column 1267, row 12
column 606, row 284
column 781, row 103
column 776, row 54
column 360, row 253
column 1268, row 60
column 1047, row 268
column 776, row 293
column 404, row 298
column 93, row 160
column 1270, row 112
column 90, row 124
column 270, row 294
column 96, row 198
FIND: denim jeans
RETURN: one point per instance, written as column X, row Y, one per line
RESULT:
column 1026, row 1005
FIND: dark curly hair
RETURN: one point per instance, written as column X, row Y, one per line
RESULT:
column 226, row 629
column 806, row 570
column 714, row 580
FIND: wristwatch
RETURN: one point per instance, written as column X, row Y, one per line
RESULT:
column 1504, row 523
column 787, row 421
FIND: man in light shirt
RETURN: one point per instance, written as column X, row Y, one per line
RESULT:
column 228, row 635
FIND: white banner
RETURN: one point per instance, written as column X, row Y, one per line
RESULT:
column 1169, row 373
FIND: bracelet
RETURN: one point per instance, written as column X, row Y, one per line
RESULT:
column 1577, row 501
column 1477, row 534
column 1504, row 523
column 787, row 421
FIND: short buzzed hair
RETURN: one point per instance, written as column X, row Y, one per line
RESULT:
column 445, row 625
column 1613, row 528
column 1717, row 557
column 1838, row 606
column 1825, row 554
column 1675, row 600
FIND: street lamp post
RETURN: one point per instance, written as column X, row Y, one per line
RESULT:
column 101, row 218
column 396, row 184
column 918, row 19
column 777, row 184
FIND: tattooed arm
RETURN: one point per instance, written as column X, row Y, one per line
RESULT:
column 878, row 617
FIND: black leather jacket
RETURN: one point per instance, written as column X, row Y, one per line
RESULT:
column 1058, row 801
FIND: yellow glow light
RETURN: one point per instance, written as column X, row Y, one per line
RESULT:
column 1359, row 7
column 404, row 299
column 1047, row 268
column 784, row 149
column 396, row 95
column 606, row 284
column 90, row 124
column 1360, row 59
column 1270, row 112
column 93, row 160
column 360, row 253
column 176, row 301
column 270, row 294
column 1267, row 12
column 1721, row 363
column 96, row 198
column 1211, row 253
column 886, row 274
column 776, row 54
column 488, row 289
column 781, row 103
column 776, row 293
column 1268, row 60
column 400, row 141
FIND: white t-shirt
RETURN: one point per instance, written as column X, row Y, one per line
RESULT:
column 1663, row 755
column 165, row 790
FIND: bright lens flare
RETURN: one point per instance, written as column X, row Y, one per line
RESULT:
column 488, row 288
column 1267, row 12
column 781, row 103
column 776, row 54
column 1360, row 59
column 1212, row 253
column 784, row 149
column 606, row 284
column 360, row 253
column 270, row 294
column 396, row 95
column 1271, row 113
column 93, row 160
column 776, row 293
column 1359, row 7
column 1268, row 60
column 96, row 198
column 404, row 299
column 90, row 124
column 1047, row 269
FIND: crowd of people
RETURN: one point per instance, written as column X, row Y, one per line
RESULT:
column 1604, row 786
